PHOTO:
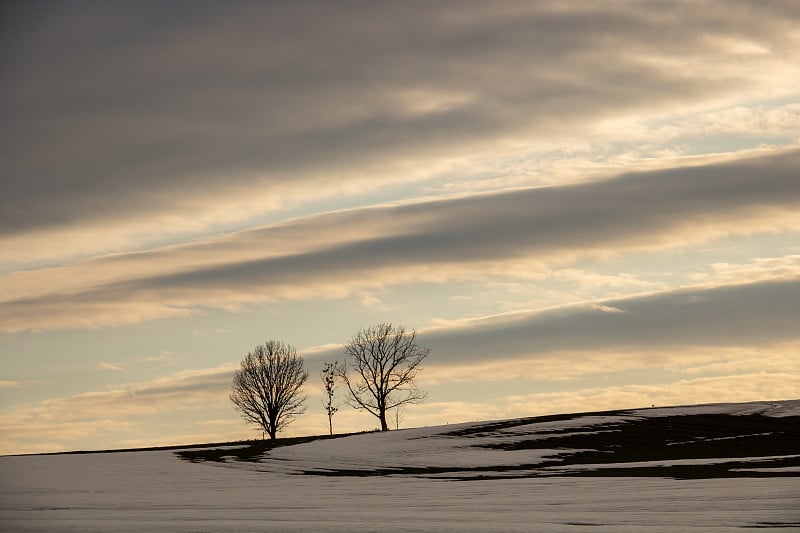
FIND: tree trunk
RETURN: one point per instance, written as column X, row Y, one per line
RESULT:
column 384, row 425
column 272, row 433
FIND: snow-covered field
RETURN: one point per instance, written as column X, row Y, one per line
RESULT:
column 502, row 476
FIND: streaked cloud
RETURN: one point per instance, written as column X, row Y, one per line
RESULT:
column 761, row 268
column 167, row 124
column 727, row 315
column 570, row 366
column 333, row 254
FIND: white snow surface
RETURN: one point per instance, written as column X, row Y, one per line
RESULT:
column 776, row 409
column 157, row 491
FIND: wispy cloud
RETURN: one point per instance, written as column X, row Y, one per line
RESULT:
column 333, row 254
column 241, row 108
column 110, row 366
column 62, row 424
column 96, row 414
column 760, row 268
column 724, row 329
column 726, row 315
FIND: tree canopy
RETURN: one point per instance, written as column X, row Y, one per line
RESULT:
column 383, row 363
column 266, row 388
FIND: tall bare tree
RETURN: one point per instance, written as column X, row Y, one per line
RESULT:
column 266, row 389
column 385, row 361
column 328, row 376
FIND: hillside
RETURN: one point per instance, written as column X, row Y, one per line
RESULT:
column 726, row 467
column 745, row 440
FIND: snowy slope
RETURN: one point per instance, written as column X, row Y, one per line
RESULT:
column 541, row 446
column 520, row 475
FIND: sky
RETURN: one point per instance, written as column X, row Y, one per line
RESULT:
column 577, row 206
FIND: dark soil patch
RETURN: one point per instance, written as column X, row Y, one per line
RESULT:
column 488, row 429
column 757, row 441
column 250, row 451
column 674, row 437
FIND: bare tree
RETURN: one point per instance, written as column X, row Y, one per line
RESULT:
column 385, row 362
column 398, row 416
column 266, row 389
column 328, row 376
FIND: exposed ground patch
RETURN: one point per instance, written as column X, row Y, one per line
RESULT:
column 698, row 446
column 247, row 451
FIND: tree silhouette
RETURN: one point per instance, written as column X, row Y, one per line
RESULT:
column 385, row 361
column 266, row 388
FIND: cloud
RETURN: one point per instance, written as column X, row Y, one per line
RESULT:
column 568, row 367
column 127, row 415
column 110, row 366
column 724, row 329
column 473, row 236
column 753, row 314
column 761, row 268
column 98, row 415
column 608, row 309
column 152, row 122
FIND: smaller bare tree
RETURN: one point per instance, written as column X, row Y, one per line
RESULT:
column 398, row 416
column 329, row 379
column 385, row 362
column 266, row 388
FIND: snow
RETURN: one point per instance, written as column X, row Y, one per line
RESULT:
column 775, row 409
column 674, row 462
column 769, row 470
column 421, row 448
column 157, row 491
column 418, row 448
